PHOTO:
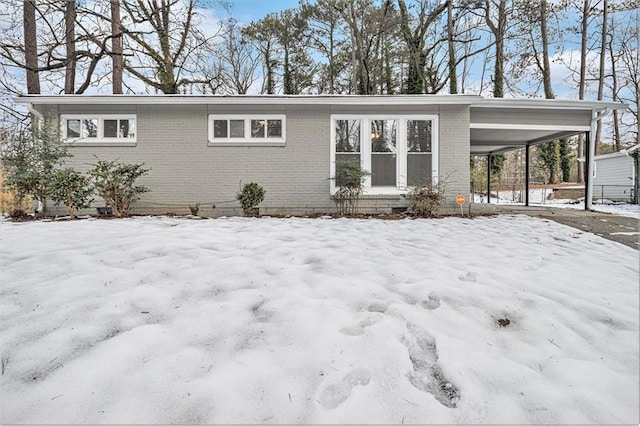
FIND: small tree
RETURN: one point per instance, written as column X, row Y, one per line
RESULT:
column 349, row 179
column 72, row 188
column 250, row 196
column 29, row 160
column 115, row 182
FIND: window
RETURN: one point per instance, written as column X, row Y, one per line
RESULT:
column 384, row 154
column 246, row 129
column 399, row 152
column 106, row 128
column 418, row 152
column 347, row 143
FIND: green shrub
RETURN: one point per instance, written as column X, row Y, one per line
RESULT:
column 250, row 196
column 71, row 188
column 349, row 179
column 115, row 182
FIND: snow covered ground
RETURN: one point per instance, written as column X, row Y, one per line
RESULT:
column 170, row 320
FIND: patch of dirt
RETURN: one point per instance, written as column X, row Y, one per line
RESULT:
column 503, row 322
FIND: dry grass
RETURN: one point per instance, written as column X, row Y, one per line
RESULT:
column 8, row 201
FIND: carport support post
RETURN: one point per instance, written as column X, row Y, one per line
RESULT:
column 489, row 178
column 588, row 189
column 526, row 175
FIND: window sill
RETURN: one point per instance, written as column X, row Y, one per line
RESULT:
column 397, row 195
column 102, row 143
column 249, row 143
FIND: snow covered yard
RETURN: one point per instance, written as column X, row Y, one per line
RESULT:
column 166, row 320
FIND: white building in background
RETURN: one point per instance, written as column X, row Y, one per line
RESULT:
column 616, row 175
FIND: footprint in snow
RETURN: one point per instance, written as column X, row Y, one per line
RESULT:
column 470, row 276
column 336, row 394
column 378, row 306
column 432, row 302
column 358, row 329
column 427, row 374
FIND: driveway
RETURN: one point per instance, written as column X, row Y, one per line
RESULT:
column 621, row 229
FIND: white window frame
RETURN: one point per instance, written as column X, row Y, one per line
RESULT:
column 401, row 149
column 247, row 139
column 100, row 139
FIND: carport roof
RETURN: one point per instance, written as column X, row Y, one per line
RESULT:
column 499, row 125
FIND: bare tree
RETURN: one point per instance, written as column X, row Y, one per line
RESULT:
column 70, row 43
column 587, row 10
column 367, row 24
column 239, row 60
column 453, row 77
column 601, row 73
column 167, row 58
column 117, row 58
column 31, row 47
column 416, row 40
column 498, row 27
column 627, row 41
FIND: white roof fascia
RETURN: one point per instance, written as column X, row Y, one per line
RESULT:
column 516, row 126
column 610, row 155
column 621, row 153
column 248, row 100
column 548, row 104
column 633, row 148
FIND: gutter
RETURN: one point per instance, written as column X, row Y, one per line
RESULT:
column 630, row 150
column 37, row 114
column 588, row 202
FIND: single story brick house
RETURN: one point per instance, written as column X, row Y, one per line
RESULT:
column 202, row 148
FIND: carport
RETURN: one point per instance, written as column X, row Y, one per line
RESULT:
column 500, row 125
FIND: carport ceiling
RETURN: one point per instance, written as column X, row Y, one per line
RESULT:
column 485, row 141
column 499, row 125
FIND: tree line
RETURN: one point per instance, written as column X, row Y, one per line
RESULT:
column 490, row 47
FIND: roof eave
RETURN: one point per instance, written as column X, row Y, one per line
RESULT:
column 249, row 99
column 548, row 104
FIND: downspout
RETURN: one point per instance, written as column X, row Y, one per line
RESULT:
column 37, row 114
column 588, row 202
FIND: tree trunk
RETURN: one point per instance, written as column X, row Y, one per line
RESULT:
column 498, row 30
column 287, row 82
column 546, row 69
column 584, row 32
column 70, row 43
column 453, row 78
column 116, row 47
column 31, row 47
column 553, row 149
column 269, row 81
column 601, row 75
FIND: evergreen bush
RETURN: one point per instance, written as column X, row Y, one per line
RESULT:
column 71, row 188
column 250, row 196
column 115, row 183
